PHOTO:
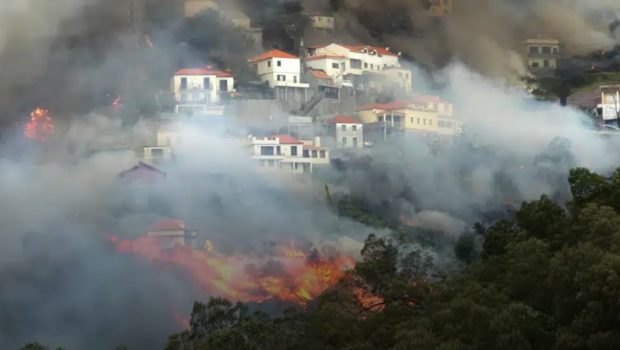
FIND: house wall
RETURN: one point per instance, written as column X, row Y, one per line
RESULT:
column 346, row 133
column 194, row 7
column 610, row 103
column 325, row 23
column 197, row 92
column 288, row 69
column 369, row 62
column 334, row 67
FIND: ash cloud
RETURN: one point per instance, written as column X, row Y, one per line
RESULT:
column 486, row 35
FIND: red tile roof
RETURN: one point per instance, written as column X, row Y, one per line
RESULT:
column 142, row 172
column 345, row 119
column 380, row 50
column 319, row 74
column 320, row 57
column 288, row 140
column 204, row 71
column 168, row 225
column 271, row 54
column 402, row 104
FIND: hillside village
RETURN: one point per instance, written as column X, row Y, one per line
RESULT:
column 300, row 107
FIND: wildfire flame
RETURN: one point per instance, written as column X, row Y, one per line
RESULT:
column 40, row 126
column 289, row 275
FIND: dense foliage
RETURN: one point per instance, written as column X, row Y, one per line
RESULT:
column 548, row 279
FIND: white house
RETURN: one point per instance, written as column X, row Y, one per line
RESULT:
column 282, row 71
column 287, row 154
column 322, row 22
column 610, row 102
column 168, row 136
column 367, row 66
column 278, row 68
column 195, row 89
column 349, row 132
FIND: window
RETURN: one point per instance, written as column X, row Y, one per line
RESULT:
column 430, row 122
column 323, row 154
column 306, row 153
column 535, row 65
column 365, row 65
column 335, row 65
column 223, row 85
column 354, row 127
column 206, row 83
column 269, row 63
column 294, row 79
column 411, row 120
column 546, row 49
column 296, row 166
column 183, row 83
column 281, row 77
column 293, row 150
column 356, row 64
column 266, row 151
column 278, row 150
column 418, row 121
column 555, row 50
column 355, row 142
column 344, row 141
column 343, row 127
column 279, row 63
column 533, row 49
column 315, row 154
column 372, row 66
column 157, row 153
column 441, row 124
column 546, row 63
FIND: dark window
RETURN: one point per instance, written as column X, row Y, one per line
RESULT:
column 279, row 63
column 266, row 151
column 354, row 127
column 535, row 65
column 534, row 49
column 183, row 83
column 365, row 65
column 344, row 141
column 268, row 63
column 281, row 77
column 356, row 64
column 157, row 153
column 223, row 85
column 294, row 79
column 355, row 142
column 335, row 65
column 546, row 49
column 546, row 63
column 323, row 154
column 278, row 152
column 555, row 50
column 306, row 153
column 293, row 150
column 206, row 83
column 314, row 154
column 343, row 127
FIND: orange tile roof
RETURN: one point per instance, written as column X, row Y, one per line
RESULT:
column 345, row 119
column 204, row 71
column 326, row 56
column 380, row 50
column 271, row 54
column 288, row 140
column 319, row 74
column 429, row 99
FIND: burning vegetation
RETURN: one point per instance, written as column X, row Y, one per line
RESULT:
column 286, row 274
column 41, row 125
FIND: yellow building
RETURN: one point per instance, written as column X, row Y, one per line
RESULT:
column 440, row 8
column 542, row 53
column 426, row 115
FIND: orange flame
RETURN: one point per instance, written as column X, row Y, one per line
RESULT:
column 287, row 275
column 40, row 126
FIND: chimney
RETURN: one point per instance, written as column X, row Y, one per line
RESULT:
column 317, row 141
